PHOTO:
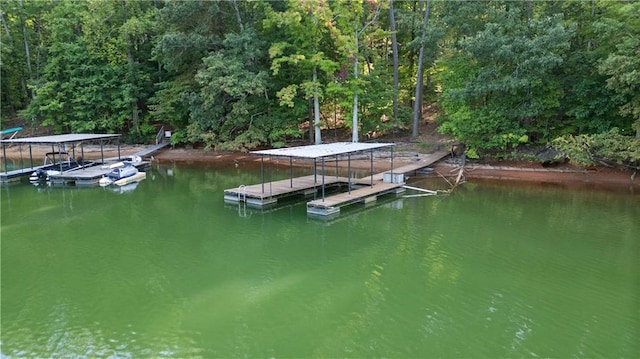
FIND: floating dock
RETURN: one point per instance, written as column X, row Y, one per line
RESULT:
column 265, row 194
column 88, row 174
column 368, row 194
column 351, row 190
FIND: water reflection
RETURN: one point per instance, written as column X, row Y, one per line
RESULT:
column 169, row 270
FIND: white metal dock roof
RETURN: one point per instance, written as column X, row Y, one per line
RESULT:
column 72, row 137
column 323, row 150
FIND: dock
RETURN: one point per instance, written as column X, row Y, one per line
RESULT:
column 90, row 176
column 91, row 170
column 383, row 183
column 322, row 186
column 331, row 205
column 265, row 194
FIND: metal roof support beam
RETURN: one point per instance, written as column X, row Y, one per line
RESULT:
column 371, row 173
column 391, row 162
column 4, row 153
column 322, row 179
column 30, row 155
column 102, row 152
column 82, row 155
column 270, row 175
column 262, row 172
column 349, row 171
column 315, row 175
column 60, row 151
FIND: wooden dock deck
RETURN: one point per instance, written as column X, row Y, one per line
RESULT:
column 411, row 167
column 332, row 204
column 263, row 194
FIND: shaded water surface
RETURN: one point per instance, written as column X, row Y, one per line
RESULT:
column 169, row 270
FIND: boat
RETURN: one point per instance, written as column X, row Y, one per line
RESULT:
column 54, row 163
column 122, row 170
column 122, row 173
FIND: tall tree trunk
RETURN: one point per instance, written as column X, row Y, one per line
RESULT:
column 240, row 25
column 4, row 24
column 24, row 36
column 529, row 14
column 419, row 76
column 27, row 53
column 135, row 118
column 593, row 19
column 396, row 62
column 316, row 108
column 354, row 129
column 354, row 135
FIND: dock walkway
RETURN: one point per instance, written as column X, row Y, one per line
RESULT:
column 152, row 149
column 263, row 194
column 332, row 204
column 411, row 167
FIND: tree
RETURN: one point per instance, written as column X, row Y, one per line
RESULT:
column 90, row 82
column 353, row 18
column 22, row 55
column 307, row 30
column 420, row 72
column 227, row 113
column 396, row 61
column 509, row 93
column 622, row 66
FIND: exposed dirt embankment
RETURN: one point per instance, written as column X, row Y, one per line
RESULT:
column 570, row 177
column 514, row 172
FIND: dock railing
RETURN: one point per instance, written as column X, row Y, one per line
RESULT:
column 160, row 135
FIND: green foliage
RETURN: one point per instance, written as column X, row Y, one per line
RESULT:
column 509, row 91
column 622, row 65
column 609, row 148
column 232, row 87
column 238, row 74
column 86, row 86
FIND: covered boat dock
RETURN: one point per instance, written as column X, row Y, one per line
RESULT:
column 318, row 184
column 59, row 143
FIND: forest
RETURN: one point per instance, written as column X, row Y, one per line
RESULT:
column 238, row 75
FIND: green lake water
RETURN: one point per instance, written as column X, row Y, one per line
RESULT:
column 169, row 270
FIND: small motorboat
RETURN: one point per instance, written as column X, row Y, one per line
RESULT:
column 122, row 173
column 54, row 163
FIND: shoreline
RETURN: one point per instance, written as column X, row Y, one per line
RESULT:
column 493, row 171
column 569, row 176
